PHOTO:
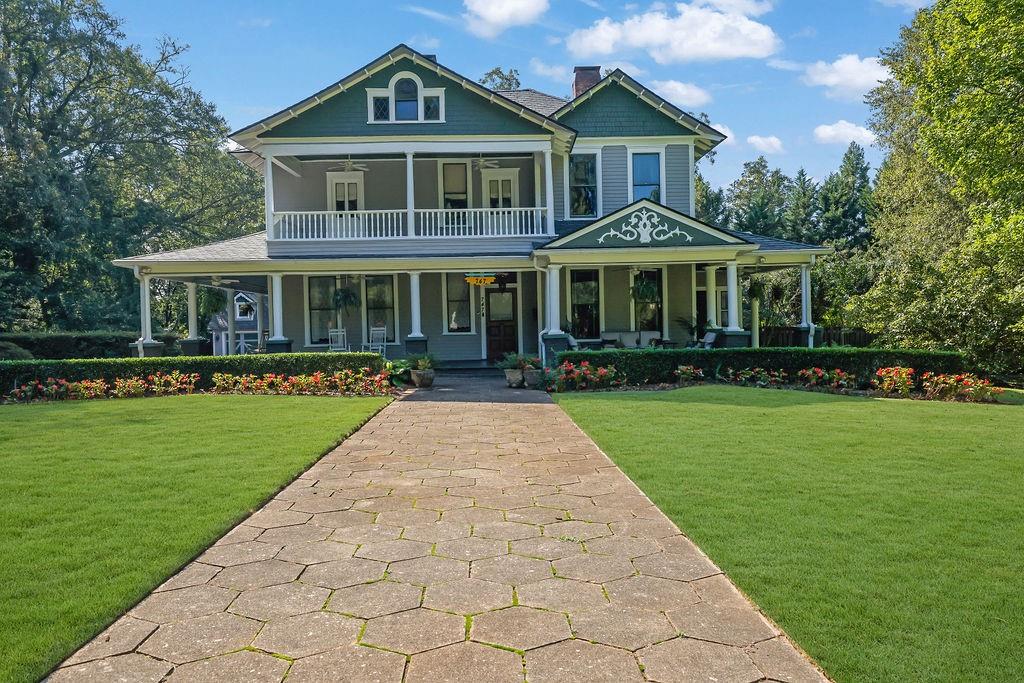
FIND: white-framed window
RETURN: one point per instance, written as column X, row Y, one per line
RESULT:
column 583, row 185
column 380, row 304
column 646, row 176
column 454, row 184
column 648, row 300
column 405, row 100
column 500, row 187
column 345, row 191
column 245, row 307
column 585, row 305
column 321, row 312
column 457, row 294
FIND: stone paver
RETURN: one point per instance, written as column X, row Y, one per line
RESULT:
column 441, row 513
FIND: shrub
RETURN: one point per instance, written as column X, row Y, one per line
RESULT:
column 570, row 377
column 689, row 373
column 651, row 366
column 11, row 351
column 517, row 361
column 93, row 344
column 755, row 377
column 895, row 381
column 87, row 389
column 961, row 387
column 364, row 382
column 167, row 384
column 832, row 379
column 16, row 373
column 128, row 387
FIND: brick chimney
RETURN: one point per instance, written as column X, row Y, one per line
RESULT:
column 586, row 77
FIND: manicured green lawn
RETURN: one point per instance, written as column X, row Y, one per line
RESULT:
column 103, row 500
column 886, row 537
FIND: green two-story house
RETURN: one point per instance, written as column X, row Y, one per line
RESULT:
column 410, row 206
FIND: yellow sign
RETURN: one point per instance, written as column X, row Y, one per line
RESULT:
column 481, row 279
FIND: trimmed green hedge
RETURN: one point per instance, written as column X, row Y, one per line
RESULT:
column 95, row 344
column 650, row 366
column 14, row 373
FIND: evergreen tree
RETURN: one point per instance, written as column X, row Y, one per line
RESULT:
column 800, row 216
column 845, row 200
column 757, row 199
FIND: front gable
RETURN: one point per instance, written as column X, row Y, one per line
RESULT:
column 346, row 114
column 645, row 224
column 614, row 111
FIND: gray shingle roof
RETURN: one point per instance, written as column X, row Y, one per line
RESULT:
column 247, row 248
column 769, row 243
column 540, row 102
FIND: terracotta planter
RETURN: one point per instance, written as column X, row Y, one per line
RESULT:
column 422, row 379
column 532, row 377
column 514, row 377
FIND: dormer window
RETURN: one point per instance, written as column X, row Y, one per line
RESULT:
column 405, row 100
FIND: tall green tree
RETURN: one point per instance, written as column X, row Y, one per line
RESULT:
column 800, row 215
column 103, row 153
column 501, row 79
column 757, row 199
column 845, row 202
column 709, row 203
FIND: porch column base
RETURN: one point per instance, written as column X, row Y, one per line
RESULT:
column 415, row 345
column 150, row 349
column 553, row 345
column 803, row 334
column 279, row 345
column 195, row 347
column 733, row 339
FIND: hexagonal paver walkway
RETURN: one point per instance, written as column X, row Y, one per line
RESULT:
column 467, row 533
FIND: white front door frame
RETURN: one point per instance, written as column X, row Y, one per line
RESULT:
column 499, row 174
column 483, row 314
column 335, row 177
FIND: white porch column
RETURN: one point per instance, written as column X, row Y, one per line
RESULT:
column 711, row 293
column 554, row 300
column 549, row 193
column 231, row 322
column 733, row 292
column 414, row 309
column 805, row 303
column 268, row 191
column 755, row 322
column 277, row 332
column 193, row 311
column 145, row 315
column 410, row 198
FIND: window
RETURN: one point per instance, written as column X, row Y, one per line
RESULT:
column 582, row 185
column 432, row 108
column 585, row 304
column 458, row 304
column 647, row 298
column 647, row 176
column 723, row 307
column 322, row 314
column 380, row 304
column 244, row 308
column 407, row 101
column 455, row 186
column 381, row 108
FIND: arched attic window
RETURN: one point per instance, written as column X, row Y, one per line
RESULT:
column 407, row 101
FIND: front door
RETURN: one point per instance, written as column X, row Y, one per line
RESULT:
column 502, row 333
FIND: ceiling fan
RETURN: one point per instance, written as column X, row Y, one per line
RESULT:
column 349, row 165
column 480, row 163
column 217, row 281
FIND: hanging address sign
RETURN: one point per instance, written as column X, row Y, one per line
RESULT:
column 481, row 279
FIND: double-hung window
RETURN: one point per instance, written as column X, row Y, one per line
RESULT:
column 582, row 185
column 322, row 313
column 647, row 176
column 380, row 304
column 458, row 304
column 455, row 185
column 647, row 300
column 585, row 303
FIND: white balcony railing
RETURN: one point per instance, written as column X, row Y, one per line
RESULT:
column 394, row 224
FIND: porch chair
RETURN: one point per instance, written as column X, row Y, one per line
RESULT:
column 649, row 338
column 705, row 342
column 337, row 340
column 261, row 344
column 378, row 341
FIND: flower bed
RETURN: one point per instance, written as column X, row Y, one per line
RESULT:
column 364, row 382
column 582, row 377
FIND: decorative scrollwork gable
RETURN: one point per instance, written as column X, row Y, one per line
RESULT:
column 644, row 226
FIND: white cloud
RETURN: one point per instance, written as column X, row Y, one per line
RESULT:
column 684, row 95
column 424, row 42
column 752, row 8
column 255, row 22
column 907, row 4
column 765, row 144
column 429, row 13
column 701, row 30
column 489, row 18
column 730, row 137
column 847, row 78
column 594, row 4
column 554, row 72
column 629, row 67
column 553, row 40
column 785, row 65
column 843, row 132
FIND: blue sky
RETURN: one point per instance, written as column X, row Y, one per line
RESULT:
column 784, row 77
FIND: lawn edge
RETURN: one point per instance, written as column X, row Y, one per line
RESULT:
column 234, row 523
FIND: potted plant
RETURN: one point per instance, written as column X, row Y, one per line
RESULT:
column 533, row 373
column 421, row 370
column 513, row 369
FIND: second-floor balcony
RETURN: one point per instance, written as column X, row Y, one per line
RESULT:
column 405, row 224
